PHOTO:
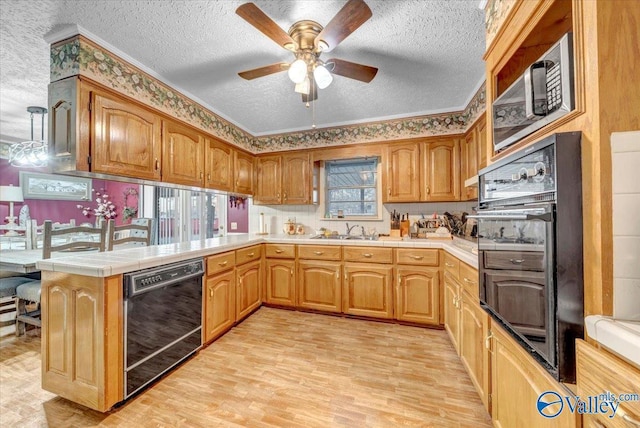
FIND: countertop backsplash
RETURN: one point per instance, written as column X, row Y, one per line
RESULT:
column 310, row 216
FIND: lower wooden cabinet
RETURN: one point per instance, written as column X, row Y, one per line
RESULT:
column 452, row 309
column 281, row 282
column 516, row 383
column 367, row 290
column 219, row 304
column 320, row 285
column 248, row 288
column 82, row 345
column 418, row 294
column 474, row 330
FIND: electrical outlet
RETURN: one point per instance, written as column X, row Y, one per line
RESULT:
column 234, row 225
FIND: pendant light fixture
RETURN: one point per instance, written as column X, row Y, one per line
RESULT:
column 30, row 153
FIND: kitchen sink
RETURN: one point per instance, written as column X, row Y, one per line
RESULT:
column 347, row 237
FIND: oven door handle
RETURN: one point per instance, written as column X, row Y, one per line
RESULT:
column 547, row 217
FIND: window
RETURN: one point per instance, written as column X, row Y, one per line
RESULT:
column 351, row 188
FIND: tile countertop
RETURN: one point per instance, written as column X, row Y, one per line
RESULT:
column 133, row 259
column 620, row 336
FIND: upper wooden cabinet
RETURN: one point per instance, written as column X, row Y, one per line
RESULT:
column 402, row 172
column 125, row 138
column 283, row 179
column 182, row 154
column 218, row 165
column 472, row 147
column 243, row 170
column 440, row 170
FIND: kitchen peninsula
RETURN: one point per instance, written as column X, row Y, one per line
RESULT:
column 82, row 295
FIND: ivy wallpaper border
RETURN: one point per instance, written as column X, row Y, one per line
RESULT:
column 80, row 56
column 496, row 12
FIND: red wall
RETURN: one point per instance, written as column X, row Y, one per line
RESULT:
column 240, row 215
column 60, row 211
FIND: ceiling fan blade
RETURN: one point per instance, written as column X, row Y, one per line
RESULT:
column 263, row 71
column 351, row 16
column 313, row 93
column 254, row 16
column 363, row 73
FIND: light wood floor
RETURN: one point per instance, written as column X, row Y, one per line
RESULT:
column 278, row 368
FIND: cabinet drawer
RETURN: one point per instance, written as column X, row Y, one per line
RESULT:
column 368, row 254
column 320, row 252
column 520, row 260
column 248, row 254
column 469, row 280
column 280, row 251
column 452, row 265
column 599, row 371
column 422, row 257
column 220, row 262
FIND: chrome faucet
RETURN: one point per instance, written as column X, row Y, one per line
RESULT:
column 350, row 228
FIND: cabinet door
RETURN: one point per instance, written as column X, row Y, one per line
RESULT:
column 367, row 290
column 125, row 138
column 513, row 402
column 469, row 155
column 182, row 154
column 402, row 173
column 220, row 304
column 243, row 170
column 482, row 143
column 281, row 282
column 418, row 295
column 474, row 328
column 320, row 285
column 218, row 165
column 268, row 180
column 441, row 170
column 451, row 310
column 248, row 296
column 296, row 179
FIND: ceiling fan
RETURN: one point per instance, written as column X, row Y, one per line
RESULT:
column 307, row 40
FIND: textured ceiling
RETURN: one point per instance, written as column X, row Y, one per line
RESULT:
column 429, row 55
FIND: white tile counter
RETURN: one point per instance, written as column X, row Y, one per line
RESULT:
column 620, row 336
column 132, row 259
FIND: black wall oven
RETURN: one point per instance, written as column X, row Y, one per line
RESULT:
column 530, row 249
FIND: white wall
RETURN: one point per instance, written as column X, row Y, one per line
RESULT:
column 310, row 216
column 625, row 148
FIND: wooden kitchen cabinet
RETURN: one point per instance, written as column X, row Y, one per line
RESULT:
column 281, row 282
column 125, row 138
column 474, row 329
column 248, row 288
column 320, row 285
column 469, row 152
column 440, row 178
column 481, row 134
column 367, row 290
column 516, row 382
column 243, row 171
column 218, row 165
column 219, row 304
column 182, row 154
column 451, row 308
column 401, row 181
column 283, row 179
column 82, row 344
column 418, row 294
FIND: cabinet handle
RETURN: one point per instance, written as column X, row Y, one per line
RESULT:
column 211, row 292
column 209, row 176
column 389, row 191
column 157, row 164
column 278, row 195
column 285, row 196
column 470, row 281
column 223, row 263
column 516, row 261
column 367, row 255
column 449, row 264
column 487, row 342
column 279, row 251
column 337, row 275
column 318, row 253
column 201, row 175
column 291, row 271
column 399, row 279
column 237, row 182
column 428, row 190
column 251, row 254
column 417, row 257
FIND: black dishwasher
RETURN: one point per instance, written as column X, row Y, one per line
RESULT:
column 162, row 320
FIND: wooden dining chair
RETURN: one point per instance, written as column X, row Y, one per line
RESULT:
column 139, row 234
column 79, row 238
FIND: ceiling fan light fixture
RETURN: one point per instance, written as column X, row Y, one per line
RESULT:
column 304, row 87
column 298, row 71
column 322, row 76
column 323, row 46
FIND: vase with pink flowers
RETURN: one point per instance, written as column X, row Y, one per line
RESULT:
column 104, row 209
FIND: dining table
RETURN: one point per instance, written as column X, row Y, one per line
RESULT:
column 24, row 261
